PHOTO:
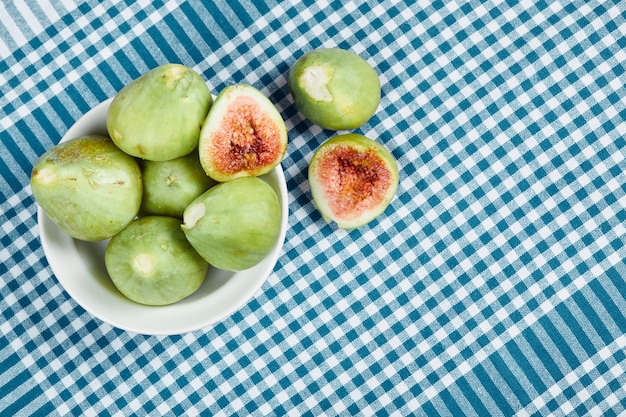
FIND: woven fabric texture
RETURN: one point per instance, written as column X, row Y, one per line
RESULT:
column 493, row 285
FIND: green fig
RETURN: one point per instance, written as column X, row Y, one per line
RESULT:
column 243, row 135
column 352, row 179
column 88, row 187
column 170, row 186
column 334, row 88
column 158, row 116
column 235, row 224
column 151, row 262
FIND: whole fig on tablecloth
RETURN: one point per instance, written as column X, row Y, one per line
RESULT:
column 334, row 88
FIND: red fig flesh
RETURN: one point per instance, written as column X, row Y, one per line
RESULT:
column 243, row 135
column 352, row 179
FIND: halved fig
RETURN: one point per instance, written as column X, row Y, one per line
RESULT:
column 158, row 116
column 151, row 262
column 352, row 179
column 243, row 135
column 88, row 187
column 234, row 225
column 334, row 88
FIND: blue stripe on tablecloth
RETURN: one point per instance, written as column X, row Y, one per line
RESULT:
column 24, row 404
column 192, row 46
column 465, row 389
column 582, row 338
column 511, row 373
column 163, row 43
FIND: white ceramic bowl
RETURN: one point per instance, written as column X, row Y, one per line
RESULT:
column 79, row 267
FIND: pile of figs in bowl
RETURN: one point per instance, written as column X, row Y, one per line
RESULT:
column 164, row 209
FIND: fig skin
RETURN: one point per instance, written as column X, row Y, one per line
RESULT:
column 170, row 186
column 88, row 187
column 352, row 179
column 158, row 116
column 334, row 88
column 243, row 135
column 235, row 224
column 152, row 263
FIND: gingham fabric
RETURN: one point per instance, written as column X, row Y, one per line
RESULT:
column 493, row 285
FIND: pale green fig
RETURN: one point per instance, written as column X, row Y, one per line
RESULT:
column 334, row 88
column 158, row 116
column 151, row 262
column 352, row 179
column 243, row 135
column 88, row 187
column 170, row 186
column 235, row 224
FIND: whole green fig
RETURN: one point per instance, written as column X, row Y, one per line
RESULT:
column 151, row 262
column 88, row 187
column 334, row 88
column 158, row 116
column 169, row 186
column 235, row 224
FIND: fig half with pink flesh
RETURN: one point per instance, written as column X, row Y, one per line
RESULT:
column 352, row 180
column 243, row 135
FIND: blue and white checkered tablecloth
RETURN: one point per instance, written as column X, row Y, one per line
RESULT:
column 493, row 285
